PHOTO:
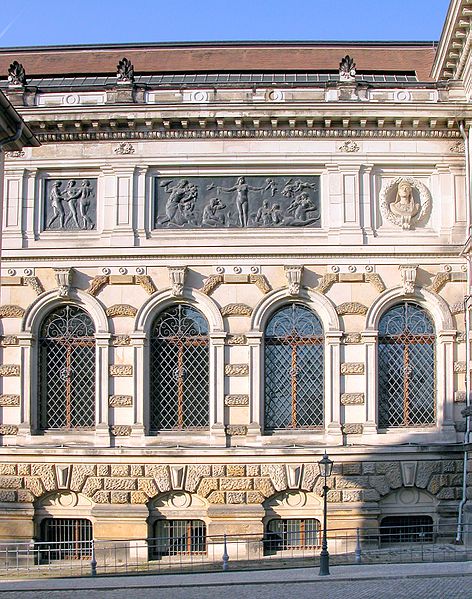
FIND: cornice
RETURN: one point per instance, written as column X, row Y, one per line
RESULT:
column 455, row 43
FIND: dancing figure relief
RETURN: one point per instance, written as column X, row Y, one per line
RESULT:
column 70, row 207
column 252, row 201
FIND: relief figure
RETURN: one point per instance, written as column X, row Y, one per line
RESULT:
column 56, row 199
column 86, row 192
column 71, row 195
column 180, row 203
column 210, row 217
column 242, row 198
column 303, row 209
column 404, row 205
column 292, row 187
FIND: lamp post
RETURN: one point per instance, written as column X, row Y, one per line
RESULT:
column 326, row 467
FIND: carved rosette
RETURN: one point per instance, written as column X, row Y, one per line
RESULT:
column 294, row 278
column 146, row 283
column 120, row 401
column 236, row 400
column 236, row 369
column 388, row 196
column 177, row 279
column 458, row 148
column 97, row 284
column 326, row 282
column 211, row 283
column 35, row 284
column 10, row 370
column 9, row 400
column 121, row 370
column 352, row 368
column 11, row 311
column 118, row 310
column 349, row 146
column 352, row 308
column 236, row 310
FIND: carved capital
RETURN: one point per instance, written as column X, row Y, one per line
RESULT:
column 236, row 340
column 121, row 340
column 64, row 281
column 9, row 340
column 96, row 284
column 294, row 278
column 408, row 275
column 351, row 308
column 177, row 279
column 121, row 310
column 351, row 338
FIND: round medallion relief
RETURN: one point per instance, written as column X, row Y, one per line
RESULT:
column 180, row 500
column 408, row 496
column 67, row 500
column 295, row 499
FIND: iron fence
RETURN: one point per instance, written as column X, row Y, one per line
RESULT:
column 196, row 551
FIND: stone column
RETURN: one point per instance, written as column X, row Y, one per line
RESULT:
column 370, row 339
column 13, row 208
column 29, row 395
column 34, row 206
column 256, row 383
column 217, row 388
column 140, row 385
column 445, row 385
column 332, row 377
column 102, row 362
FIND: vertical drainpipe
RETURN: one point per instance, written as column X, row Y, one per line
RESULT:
column 467, row 143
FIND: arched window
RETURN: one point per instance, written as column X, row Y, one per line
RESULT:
column 179, row 373
column 294, row 369
column 67, row 370
column 65, row 538
column 406, row 367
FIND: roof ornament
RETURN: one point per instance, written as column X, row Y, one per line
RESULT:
column 347, row 69
column 125, row 71
column 16, row 75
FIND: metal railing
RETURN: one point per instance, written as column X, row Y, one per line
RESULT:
column 209, row 553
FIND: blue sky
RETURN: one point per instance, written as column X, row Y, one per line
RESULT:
column 49, row 22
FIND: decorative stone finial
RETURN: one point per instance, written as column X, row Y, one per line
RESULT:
column 16, row 75
column 125, row 71
column 347, row 69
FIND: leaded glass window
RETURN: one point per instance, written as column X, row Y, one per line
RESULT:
column 294, row 369
column 67, row 370
column 406, row 367
column 179, row 374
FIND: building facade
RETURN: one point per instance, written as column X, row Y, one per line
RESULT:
column 223, row 261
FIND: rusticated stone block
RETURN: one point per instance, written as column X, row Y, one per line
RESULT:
column 424, row 472
column 24, row 469
column 368, row 467
column 92, row 484
column 254, row 497
column 137, row 470
column 235, row 497
column 311, row 473
column 277, row 474
column 148, row 486
column 371, row 495
column 119, row 470
column 350, row 468
column 216, row 497
column 235, row 470
column 101, row 497
column 353, row 482
column 7, row 496
column 207, row 485
column 455, row 480
column 253, row 470
column 446, row 493
column 119, row 497
column 380, row 484
column 333, row 496
column 160, row 475
column 46, row 473
column 449, row 466
column 24, row 496
column 235, row 484
column 138, row 497
column 7, row 469
column 34, row 485
column 80, row 472
column 103, row 470
column 352, row 496
column 10, row 482
column 218, row 470
column 265, row 486
column 436, row 482
column 119, row 484
column 393, row 474
column 194, row 474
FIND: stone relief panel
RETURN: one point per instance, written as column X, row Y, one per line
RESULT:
column 237, row 202
column 405, row 202
column 70, row 204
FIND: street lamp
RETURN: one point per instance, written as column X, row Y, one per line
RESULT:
column 326, row 467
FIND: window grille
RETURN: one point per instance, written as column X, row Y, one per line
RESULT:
column 179, row 373
column 292, row 534
column 65, row 538
column 407, row 378
column 294, row 369
column 406, row 529
column 178, row 537
column 67, row 370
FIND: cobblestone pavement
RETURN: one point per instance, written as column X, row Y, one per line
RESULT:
column 450, row 587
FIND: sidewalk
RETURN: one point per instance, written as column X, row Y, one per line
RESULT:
column 215, row 579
